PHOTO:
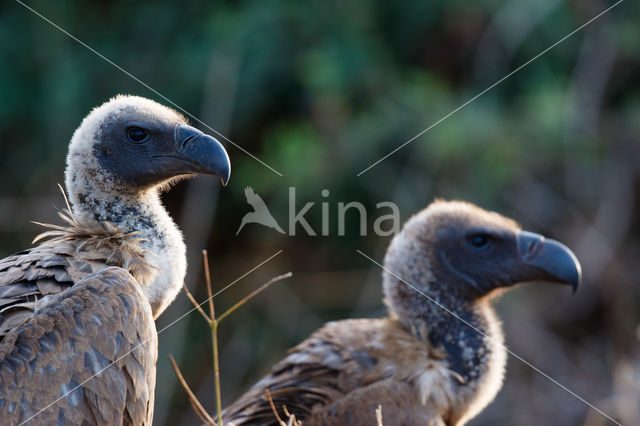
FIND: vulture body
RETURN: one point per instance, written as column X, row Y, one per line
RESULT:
column 78, row 340
column 439, row 357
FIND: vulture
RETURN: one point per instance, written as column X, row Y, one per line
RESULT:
column 78, row 343
column 438, row 358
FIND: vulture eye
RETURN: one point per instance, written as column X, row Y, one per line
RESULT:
column 136, row 134
column 479, row 241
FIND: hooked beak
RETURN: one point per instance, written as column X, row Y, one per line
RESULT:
column 551, row 260
column 203, row 153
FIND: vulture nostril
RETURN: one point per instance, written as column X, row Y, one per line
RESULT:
column 529, row 245
column 532, row 248
column 187, row 141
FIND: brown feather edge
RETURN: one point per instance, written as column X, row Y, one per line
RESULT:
column 125, row 248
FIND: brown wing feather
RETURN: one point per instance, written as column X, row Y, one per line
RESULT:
column 298, row 387
column 398, row 401
column 304, row 379
column 315, row 374
column 28, row 276
column 48, row 364
column 344, row 371
column 70, row 254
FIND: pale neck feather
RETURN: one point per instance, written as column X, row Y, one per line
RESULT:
column 141, row 212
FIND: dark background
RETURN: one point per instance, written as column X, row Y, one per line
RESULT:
column 320, row 90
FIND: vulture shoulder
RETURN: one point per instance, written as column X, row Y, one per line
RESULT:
column 29, row 278
column 47, row 362
column 326, row 378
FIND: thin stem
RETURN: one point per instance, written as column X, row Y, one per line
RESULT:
column 195, row 303
column 292, row 418
column 216, row 369
column 275, row 411
column 207, row 277
column 213, row 324
column 379, row 416
column 197, row 407
column 251, row 295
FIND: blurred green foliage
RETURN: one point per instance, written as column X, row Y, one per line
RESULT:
column 319, row 91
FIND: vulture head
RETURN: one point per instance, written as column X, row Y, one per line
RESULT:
column 131, row 145
column 457, row 253
column 122, row 155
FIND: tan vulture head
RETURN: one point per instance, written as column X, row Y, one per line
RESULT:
column 459, row 253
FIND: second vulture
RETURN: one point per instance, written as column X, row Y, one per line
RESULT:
column 78, row 340
column 439, row 357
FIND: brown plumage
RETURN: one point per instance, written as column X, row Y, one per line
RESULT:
column 78, row 340
column 48, row 362
column 438, row 358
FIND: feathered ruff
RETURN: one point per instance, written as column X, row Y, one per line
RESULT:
column 100, row 241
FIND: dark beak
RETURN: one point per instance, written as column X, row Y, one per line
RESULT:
column 549, row 259
column 203, row 153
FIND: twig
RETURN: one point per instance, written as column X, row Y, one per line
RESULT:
column 253, row 294
column 195, row 303
column 273, row 408
column 379, row 415
column 197, row 407
column 207, row 277
column 292, row 418
column 213, row 325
